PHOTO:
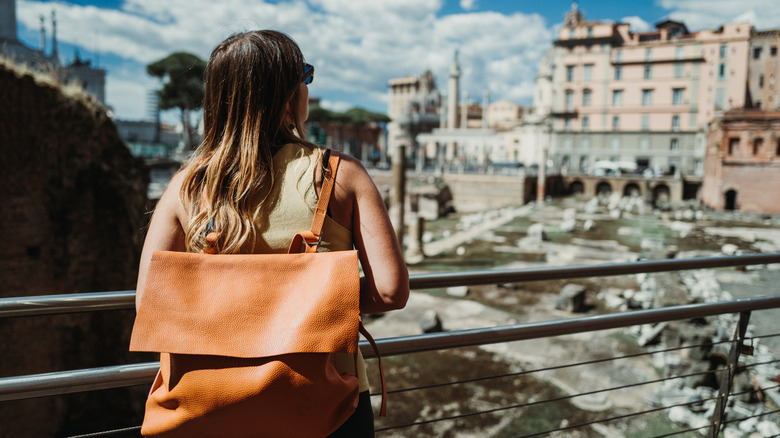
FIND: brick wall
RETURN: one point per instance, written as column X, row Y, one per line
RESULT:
column 71, row 217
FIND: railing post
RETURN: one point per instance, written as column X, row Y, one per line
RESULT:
column 727, row 376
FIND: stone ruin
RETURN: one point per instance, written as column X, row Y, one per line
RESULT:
column 72, row 218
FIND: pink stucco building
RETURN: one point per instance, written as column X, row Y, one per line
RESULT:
column 642, row 99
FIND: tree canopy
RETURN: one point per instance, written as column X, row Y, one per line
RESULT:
column 182, row 75
column 354, row 116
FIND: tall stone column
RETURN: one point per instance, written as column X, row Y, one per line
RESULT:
column 399, row 193
column 453, row 96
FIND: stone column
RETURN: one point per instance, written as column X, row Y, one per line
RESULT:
column 399, row 193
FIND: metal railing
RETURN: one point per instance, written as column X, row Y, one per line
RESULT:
column 21, row 387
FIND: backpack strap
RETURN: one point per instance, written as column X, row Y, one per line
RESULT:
column 312, row 238
column 370, row 339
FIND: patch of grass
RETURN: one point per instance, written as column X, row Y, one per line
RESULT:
column 657, row 424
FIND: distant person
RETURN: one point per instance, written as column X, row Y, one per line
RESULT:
column 257, row 178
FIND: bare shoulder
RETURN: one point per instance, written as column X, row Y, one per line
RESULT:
column 170, row 202
column 353, row 176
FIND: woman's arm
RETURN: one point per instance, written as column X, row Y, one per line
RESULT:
column 385, row 285
column 165, row 230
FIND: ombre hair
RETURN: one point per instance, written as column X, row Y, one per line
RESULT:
column 250, row 106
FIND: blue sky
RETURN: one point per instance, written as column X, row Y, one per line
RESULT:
column 356, row 45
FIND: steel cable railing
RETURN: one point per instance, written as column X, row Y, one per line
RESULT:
column 557, row 367
column 561, row 398
column 127, row 375
column 99, row 301
column 12, row 388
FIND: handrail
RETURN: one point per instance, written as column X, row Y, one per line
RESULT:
column 14, row 388
column 94, row 301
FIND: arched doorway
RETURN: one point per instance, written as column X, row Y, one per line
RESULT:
column 730, row 200
column 576, row 188
column 603, row 189
column 661, row 195
column 632, row 190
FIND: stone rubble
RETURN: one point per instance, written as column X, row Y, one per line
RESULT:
column 707, row 340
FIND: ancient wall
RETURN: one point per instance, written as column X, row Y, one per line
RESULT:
column 470, row 192
column 72, row 213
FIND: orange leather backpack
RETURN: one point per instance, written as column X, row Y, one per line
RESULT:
column 246, row 341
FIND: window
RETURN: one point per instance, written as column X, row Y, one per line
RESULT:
column 569, row 73
column 679, row 52
column 567, row 124
column 773, row 51
column 648, row 72
column 647, row 97
column 757, row 53
column 677, row 95
column 760, row 81
column 587, row 73
column 679, row 69
column 649, row 55
column 777, row 149
column 615, row 123
column 565, row 161
column 674, row 145
column 723, row 50
column 645, row 122
column 618, row 72
column 585, row 123
column 590, row 32
column 572, row 33
column 583, row 164
column 721, row 71
column 720, row 98
column 586, row 97
column 585, row 143
column 614, row 144
column 698, row 165
column 569, row 100
column 644, row 143
column 617, row 97
column 758, row 144
column 618, row 56
column 733, row 145
column 675, row 123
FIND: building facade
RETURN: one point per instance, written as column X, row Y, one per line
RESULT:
column 643, row 99
column 764, row 70
column 414, row 108
column 79, row 72
column 742, row 169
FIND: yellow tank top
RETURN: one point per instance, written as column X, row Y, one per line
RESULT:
column 289, row 208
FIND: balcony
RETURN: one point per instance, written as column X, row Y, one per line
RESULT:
column 521, row 399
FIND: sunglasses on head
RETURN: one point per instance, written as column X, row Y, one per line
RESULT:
column 308, row 73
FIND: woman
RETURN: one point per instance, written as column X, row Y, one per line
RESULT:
column 256, row 180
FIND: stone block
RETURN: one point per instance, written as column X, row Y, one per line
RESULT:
column 571, row 298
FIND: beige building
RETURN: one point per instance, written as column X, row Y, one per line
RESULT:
column 503, row 115
column 642, row 98
column 764, row 70
column 413, row 108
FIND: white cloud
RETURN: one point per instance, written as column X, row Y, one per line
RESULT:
column 339, row 106
column 638, row 25
column 356, row 46
column 469, row 5
column 711, row 14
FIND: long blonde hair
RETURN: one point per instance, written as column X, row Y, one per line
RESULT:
column 250, row 106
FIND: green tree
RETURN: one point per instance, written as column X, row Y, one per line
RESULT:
column 182, row 74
